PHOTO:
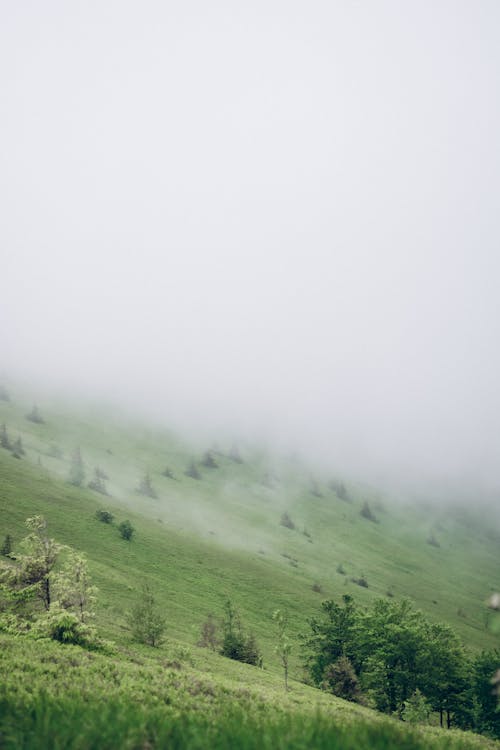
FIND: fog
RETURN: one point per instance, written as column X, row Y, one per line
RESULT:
column 276, row 219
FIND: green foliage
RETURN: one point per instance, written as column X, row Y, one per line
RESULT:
column 66, row 627
column 236, row 644
column 126, row 530
column 105, row 516
column 145, row 620
column 341, row 679
column 73, row 589
column 416, row 709
column 77, row 469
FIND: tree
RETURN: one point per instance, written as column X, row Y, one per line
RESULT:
column 35, row 567
column 4, row 438
column 77, row 469
column 126, row 530
column 235, row 644
column 209, row 461
column 35, row 416
column 192, row 471
column 416, row 709
column 18, row 448
column 283, row 646
column 332, row 636
column 104, row 516
column 6, row 549
column 73, row 588
column 145, row 621
column 208, row 635
column 367, row 513
column 97, row 483
column 146, row 488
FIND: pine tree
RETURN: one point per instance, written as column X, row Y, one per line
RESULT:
column 97, row 483
column 35, row 416
column 77, row 469
column 146, row 488
column 145, row 621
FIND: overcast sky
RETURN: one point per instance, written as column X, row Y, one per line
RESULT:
column 275, row 216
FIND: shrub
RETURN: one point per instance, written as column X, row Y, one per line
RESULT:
column 317, row 588
column 416, row 709
column 235, row 644
column 167, row 472
column 340, row 569
column 287, row 521
column 126, row 530
column 65, row 627
column 104, row 516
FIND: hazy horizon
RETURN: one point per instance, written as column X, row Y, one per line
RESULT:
column 275, row 220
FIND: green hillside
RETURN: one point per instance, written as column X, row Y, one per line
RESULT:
column 203, row 540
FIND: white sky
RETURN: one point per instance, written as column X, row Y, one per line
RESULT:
column 275, row 216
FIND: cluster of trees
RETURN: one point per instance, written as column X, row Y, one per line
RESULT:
column 125, row 528
column 37, row 598
column 385, row 654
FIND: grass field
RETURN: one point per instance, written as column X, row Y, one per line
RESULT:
column 198, row 543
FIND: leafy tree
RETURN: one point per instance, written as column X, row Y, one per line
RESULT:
column 209, row 636
column 145, row 621
column 77, row 469
column 126, row 530
column 4, row 438
column 6, row 549
column 332, row 636
column 73, row 588
column 283, row 646
column 487, row 716
column 416, row 709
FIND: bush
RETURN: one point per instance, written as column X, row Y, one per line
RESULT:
column 235, row 644
column 126, row 530
column 416, row 709
column 340, row 678
column 18, row 448
column 65, row 627
column 167, row 472
column 360, row 582
column 341, row 569
column 104, row 516
column 146, row 487
column 6, row 549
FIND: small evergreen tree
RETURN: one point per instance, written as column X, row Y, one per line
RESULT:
column 4, row 438
column 77, row 469
column 209, row 461
column 192, row 471
column 18, row 448
column 6, row 549
column 145, row 621
column 35, row 416
column 367, row 513
column 235, row 645
column 167, row 472
column 97, row 483
column 126, row 530
column 146, row 488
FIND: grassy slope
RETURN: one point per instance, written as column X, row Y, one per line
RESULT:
column 193, row 570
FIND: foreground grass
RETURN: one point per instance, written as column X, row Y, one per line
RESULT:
column 54, row 697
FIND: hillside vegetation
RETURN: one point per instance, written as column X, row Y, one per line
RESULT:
column 255, row 528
